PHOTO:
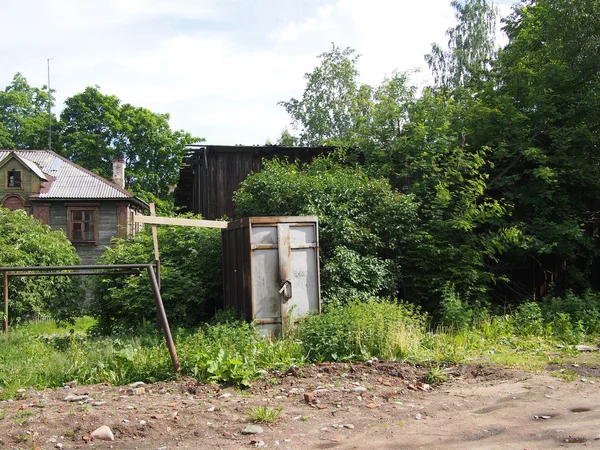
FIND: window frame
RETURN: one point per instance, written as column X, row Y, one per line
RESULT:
column 8, row 186
column 83, row 208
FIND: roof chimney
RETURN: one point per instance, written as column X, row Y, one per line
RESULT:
column 119, row 172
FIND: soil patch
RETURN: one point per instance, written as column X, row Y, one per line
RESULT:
column 340, row 405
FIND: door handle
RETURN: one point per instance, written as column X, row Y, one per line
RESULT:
column 286, row 289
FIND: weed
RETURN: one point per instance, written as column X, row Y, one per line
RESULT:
column 264, row 414
column 566, row 375
column 436, row 375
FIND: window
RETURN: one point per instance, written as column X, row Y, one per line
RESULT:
column 13, row 179
column 82, row 223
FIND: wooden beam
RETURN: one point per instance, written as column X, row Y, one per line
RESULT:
column 178, row 221
column 154, row 232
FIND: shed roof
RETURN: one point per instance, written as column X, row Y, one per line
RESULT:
column 67, row 180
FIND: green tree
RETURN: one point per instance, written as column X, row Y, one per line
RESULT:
column 98, row 129
column 471, row 46
column 364, row 225
column 25, row 241
column 91, row 123
column 24, row 115
column 327, row 108
column 547, row 114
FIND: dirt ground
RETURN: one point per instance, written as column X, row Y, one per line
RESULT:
column 375, row 405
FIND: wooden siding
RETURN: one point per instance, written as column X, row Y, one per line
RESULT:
column 107, row 227
column 212, row 174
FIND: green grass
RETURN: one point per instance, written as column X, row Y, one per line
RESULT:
column 229, row 350
column 264, row 414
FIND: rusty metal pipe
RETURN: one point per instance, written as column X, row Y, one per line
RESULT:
column 163, row 317
column 83, row 267
column 5, row 279
column 69, row 274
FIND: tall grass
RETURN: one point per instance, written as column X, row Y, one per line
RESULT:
column 229, row 350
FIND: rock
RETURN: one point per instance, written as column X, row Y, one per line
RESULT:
column 418, row 416
column 137, row 384
column 71, row 384
column 586, row 348
column 59, row 445
column 143, row 422
column 349, row 426
column 210, row 409
column 103, row 433
column 98, row 403
column 228, row 435
column 252, row 429
column 372, row 406
column 222, row 396
column 76, row 398
column 360, row 389
column 309, row 397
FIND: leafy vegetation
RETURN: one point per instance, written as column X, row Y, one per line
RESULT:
column 191, row 282
column 264, row 414
column 25, row 241
column 363, row 222
column 230, row 350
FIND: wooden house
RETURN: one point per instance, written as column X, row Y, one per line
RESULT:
column 90, row 209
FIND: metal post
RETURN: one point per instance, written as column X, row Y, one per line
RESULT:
column 5, row 273
column 163, row 317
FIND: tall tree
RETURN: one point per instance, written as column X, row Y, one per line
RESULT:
column 327, row 108
column 92, row 122
column 98, row 129
column 547, row 134
column 24, row 115
column 471, row 46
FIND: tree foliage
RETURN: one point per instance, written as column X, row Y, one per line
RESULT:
column 24, row 115
column 327, row 109
column 363, row 223
column 25, row 241
column 98, row 129
column 191, row 286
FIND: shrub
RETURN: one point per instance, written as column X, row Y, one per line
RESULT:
column 455, row 313
column 360, row 331
column 363, row 222
column 191, row 282
column 584, row 310
column 528, row 319
column 25, row 241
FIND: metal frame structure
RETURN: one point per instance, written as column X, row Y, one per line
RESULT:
column 115, row 270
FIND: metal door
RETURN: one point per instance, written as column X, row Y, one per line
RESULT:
column 284, row 273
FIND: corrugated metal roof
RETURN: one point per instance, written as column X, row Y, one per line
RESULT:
column 68, row 180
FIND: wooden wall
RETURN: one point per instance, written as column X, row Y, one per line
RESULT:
column 213, row 173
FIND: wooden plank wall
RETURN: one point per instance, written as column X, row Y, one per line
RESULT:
column 218, row 174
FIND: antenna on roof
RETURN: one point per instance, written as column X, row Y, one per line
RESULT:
column 49, row 106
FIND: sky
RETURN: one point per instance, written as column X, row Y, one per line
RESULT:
column 218, row 67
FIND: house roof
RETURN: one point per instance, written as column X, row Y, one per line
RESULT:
column 29, row 164
column 67, row 180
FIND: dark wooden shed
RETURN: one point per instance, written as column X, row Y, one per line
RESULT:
column 212, row 173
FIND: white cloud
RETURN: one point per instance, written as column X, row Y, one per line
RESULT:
column 218, row 67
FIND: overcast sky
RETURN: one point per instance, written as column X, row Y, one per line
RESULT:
column 219, row 67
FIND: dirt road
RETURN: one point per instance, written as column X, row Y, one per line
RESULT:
column 343, row 406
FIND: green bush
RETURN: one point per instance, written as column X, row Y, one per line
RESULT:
column 454, row 313
column 359, row 331
column 231, row 350
column 191, row 282
column 25, row 241
column 584, row 310
column 363, row 223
